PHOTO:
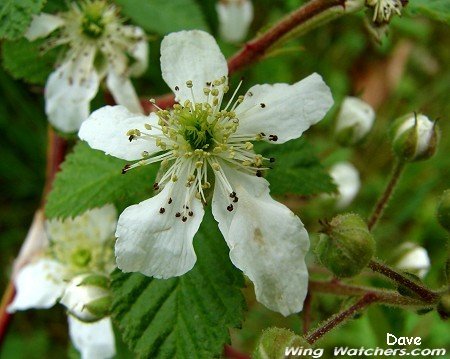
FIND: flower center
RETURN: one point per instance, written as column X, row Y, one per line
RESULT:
column 81, row 257
column 92, row 23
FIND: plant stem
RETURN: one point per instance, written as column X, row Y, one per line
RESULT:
column 386, row 297
column 56, row 151
column 257, row 48
column 387, row 194
column 339, row 318
column 306, row 312
column 230, row 353
column 426, row 294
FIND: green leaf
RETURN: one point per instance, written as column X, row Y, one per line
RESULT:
column 23, row 60
column 435, row 9
column 163, row 16
column 187, row 316
column 15, row 16
column 296, row 169
column 88, row 178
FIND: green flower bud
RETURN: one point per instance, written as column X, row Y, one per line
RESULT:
column 354, row 121
column 346, row 245
column 414, row 137
column 443, row 307
column 87, row 297
column 443, row 210
column 274, row 341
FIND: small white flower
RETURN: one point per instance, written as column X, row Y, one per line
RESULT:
column 201, row 144
column 414, row 259
column 384, row 10
column 99, row 45
column 73, row 247
column 346, row 177
column 354, row 121
column 235, row 17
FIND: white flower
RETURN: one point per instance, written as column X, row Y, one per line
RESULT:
column 74, row 246
column 346, row 177
column 354, row 121
column 384, row 10
column 414, row 259
column 197, row 141
column 235, row 17
column 98, row 45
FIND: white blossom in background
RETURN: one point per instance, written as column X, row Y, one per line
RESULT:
column 354, row 121
column 414, row 259
column 75, row 248
column 200, row 137
column 98, row 46
column 384, row 10
column 346, row 178
column 235, row 17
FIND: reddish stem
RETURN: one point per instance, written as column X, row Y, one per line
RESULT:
column 230, row 353
column 56, row 152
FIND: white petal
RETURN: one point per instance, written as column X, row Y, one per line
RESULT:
column 415, row 259
column 67, row 99
column 38, row 285
column 106, row 130
column 35, row 242
column 267, row 242
column 357, row 114
column 346, row 177
column 191, row 55
column 234, row 19
column 284, row 110
column 42, row 25
column 93, row 340
column 155, row 244
column 139, row 53
column 123, row 92
column 97, row 224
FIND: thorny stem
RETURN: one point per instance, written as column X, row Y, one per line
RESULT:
column 426, row 294
column 300, row 21
column 339, row 318
column 56, row 151
column 387, row 194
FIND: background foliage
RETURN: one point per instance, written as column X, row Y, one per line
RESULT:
column 342, row 52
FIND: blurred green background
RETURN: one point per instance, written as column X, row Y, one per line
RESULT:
column 342, row 52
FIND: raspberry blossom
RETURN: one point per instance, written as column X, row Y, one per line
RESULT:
column 384, row 10
column 346, row 177
column 205, row 147
column 75, row 249
column 98, row 45
column 235, row 17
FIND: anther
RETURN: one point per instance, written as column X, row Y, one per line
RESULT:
column 273, row 138
column 162, row 210
column 258, row 173
column 272, row 159
column 263, row 105
column 177, row 88
column 178, row 214
column 190, row 213
column 230, row 208
column 170, row 201
column 263, row 134
column 125, row 169
column 184, row 219
column 233, row 194
column 236, row 199
column 156, row 186
column 131, row 138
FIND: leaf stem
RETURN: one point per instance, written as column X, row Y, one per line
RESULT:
column 339, row 318
column 387, row 194
column 426, row 294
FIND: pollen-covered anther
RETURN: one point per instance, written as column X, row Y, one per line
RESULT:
column 189, row 84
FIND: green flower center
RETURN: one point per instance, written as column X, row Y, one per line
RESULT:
column 81, row 257
column 92, row 23
column 196, row 129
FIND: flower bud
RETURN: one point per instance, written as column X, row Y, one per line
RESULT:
column 87, row 297
column 354, row 121
column 443, row 210
column 415, row 137
column 346, row 245
column 443, row 307
column 235, row 17
column 274, row 341
column 413, row 259
column 346, row 178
